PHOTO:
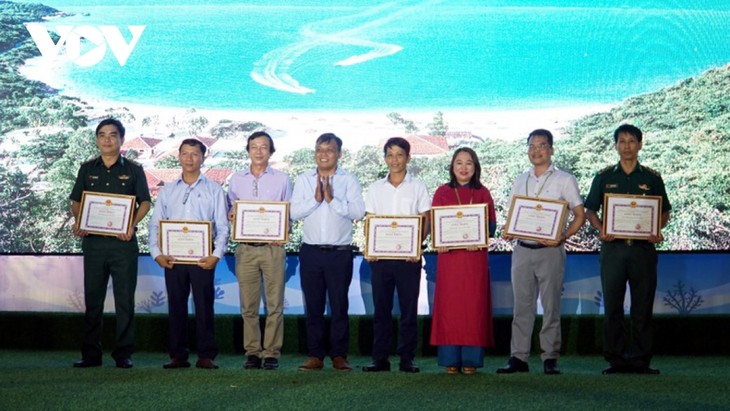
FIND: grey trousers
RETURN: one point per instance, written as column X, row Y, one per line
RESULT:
column 534, row 271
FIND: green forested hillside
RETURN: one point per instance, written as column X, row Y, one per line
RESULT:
column 686, row 126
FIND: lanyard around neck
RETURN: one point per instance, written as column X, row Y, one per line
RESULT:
column 527, row 190
column 458, row 198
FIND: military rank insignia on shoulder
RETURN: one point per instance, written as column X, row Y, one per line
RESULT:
column 656, row 173
column 606, row 170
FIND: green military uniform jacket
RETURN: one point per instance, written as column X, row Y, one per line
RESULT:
column 641, row 181
column 123, row 177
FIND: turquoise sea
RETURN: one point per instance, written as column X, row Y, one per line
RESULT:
column 275, row 55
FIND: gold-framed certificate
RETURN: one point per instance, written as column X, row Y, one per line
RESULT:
column 106, row 214
column 260, row 221
column 533, row 218
column 186, row 241
column 393, row 237
column 631, row 216
column 460, row 226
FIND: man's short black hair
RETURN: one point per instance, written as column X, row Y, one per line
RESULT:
column 114, row 122
column 628, row 129
column 541, row 132
column 398, row 142
column 327, row 137
column 193, row 142
column 258, row 134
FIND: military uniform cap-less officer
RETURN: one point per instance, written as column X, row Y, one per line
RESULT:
column 632, row 261
column 106, row 256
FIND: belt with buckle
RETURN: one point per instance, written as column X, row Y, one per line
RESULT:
column 328, row 247
column 530, row 246
column 257, row 244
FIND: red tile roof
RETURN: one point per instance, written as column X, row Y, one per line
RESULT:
column 140, row 143
column 425, row 145
column 219, row 175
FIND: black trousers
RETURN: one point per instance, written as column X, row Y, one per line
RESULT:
column 179, row 281
column 326, row 274
column 635, row 264
column 106, row 257
column 405, row 277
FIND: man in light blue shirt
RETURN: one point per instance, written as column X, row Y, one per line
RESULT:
column 192, row 197
column 328, row 199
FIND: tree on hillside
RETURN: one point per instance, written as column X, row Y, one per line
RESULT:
column 438, row 127
column 408, row 125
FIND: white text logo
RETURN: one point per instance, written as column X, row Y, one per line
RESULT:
column 100, row 37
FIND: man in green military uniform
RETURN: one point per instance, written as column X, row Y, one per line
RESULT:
column 106, row 256
column 632, row 261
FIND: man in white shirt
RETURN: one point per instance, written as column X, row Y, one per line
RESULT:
column 398, row 194
column 539, row 266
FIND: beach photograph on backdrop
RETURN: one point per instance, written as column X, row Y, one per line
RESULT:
column 442, row 74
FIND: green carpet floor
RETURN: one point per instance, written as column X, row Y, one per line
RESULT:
column 45, row 380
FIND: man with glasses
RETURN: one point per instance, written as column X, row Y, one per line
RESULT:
column 106, row 256
column 632, row 261
column 328, row 199
column 258, row 263
column 539, row 266
column 192, row 197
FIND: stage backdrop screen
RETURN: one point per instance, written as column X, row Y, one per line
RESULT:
column 442, row 74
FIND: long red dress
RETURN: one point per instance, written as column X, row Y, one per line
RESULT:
column 462, row 313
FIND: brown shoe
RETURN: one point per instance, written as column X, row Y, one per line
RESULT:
column 452, row 370
column 206, row 363
column 341, row 364
column 312, row 364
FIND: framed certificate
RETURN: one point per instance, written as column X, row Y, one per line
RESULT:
column 106, row 214
column 186, row 241
column 260, row 221
column 393, row 237
column 631, row 216
column 460, row 226
column 533, row 218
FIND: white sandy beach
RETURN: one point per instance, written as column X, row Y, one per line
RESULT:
column 294, row 129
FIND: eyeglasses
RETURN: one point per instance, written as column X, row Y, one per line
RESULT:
column 538, row 147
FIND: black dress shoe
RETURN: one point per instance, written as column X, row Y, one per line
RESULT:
column 176, row 363
column 615, row 369
column 377, row 366
column 87, row 363
column 408, row 366
column 551, row 366
column 271, row 363
column 252, row 363
column 124, row 363
column 514, row 365
column 646, row 370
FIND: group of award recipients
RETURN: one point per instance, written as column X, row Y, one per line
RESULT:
column 192, row 220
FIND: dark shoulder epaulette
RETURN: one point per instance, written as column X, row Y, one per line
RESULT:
column 656, row 173
column 606, row 170
column 133, row 162
column 89, row 161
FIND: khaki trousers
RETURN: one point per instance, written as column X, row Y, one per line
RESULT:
column 253, row 265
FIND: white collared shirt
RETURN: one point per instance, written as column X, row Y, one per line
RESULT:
column 409, row 198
